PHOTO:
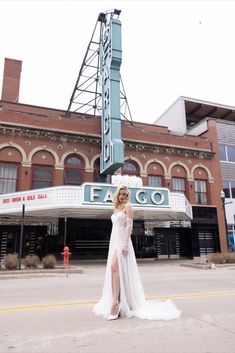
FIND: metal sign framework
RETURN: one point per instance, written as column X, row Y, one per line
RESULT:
column 86, row 97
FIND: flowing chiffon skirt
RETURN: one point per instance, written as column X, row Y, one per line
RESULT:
column 132, row 297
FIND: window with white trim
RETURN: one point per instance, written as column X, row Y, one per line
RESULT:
column 155, row 181
column 8, row 177
column 227, row 153
column 229, row 188
column 178, row 185
column 201, row 191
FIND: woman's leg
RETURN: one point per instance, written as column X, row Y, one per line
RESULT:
column 115, row 285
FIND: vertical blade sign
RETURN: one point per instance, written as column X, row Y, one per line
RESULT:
column 112, row 153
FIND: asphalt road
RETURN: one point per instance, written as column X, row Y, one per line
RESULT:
column 53, row 313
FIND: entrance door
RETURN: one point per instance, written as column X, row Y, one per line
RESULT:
column 168, row 245
column 206, row 241
column 86, row 238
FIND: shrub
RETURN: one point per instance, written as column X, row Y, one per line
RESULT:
column 219, row 258
column 230, row 257
column 11, row 261
column 216, row 258
column 49, row 261
column 31, row 261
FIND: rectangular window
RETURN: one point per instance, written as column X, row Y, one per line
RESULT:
column 178, row 185
column 73, row 176
column 8, row 177
column 232, row 183
column 227, row 153
column 229, row 188
column 226, row 188
column 222, row 152
column 201, row 192
column 155, row 181
column 231, row 153
column 42, row 176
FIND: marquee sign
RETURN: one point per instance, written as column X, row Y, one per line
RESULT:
column 112, row 150
column 102, row 194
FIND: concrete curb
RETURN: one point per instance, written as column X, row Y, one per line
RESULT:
column 207, row 266
column 200, row 266
column 23, row 273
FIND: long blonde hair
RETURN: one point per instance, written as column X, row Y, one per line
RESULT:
column 115, row 197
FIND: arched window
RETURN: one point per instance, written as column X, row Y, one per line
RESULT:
column 41, row 176
column 42, row 169
column 10, row 162
column 178, row 178
column 201, row 191
column 155, row 175
column 201, row 186
column 97, row 177
column 73, row 170
column 8, row 177
column 130, row 168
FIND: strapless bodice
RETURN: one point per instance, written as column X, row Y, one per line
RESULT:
column 119, row 219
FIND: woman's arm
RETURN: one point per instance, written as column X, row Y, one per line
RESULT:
column 129, row 226
column 129, row 211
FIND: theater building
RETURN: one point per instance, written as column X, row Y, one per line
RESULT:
column 50, row 163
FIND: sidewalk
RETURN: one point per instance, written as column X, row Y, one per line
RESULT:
column 98, row 265
column 77, row 267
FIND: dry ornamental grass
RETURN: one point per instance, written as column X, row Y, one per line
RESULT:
column 218, row 258
column 11, row 261
column 49, row 261
column 31, row 261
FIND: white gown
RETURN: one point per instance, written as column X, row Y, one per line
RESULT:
column 132, row 297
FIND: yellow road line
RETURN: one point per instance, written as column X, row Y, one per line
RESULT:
column 86, row 303
column 194, row 295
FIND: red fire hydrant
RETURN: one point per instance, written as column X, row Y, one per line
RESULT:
column 66, row 253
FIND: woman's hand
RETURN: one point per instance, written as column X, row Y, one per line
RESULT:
column 125, row 249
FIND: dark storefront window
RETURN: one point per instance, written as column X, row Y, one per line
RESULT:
column 8, row 177
column 42, row 176
column 201, row 192
column 73, row 171
column 205, row 234
column 34, row 236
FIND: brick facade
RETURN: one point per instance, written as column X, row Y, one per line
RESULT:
column 31, row 135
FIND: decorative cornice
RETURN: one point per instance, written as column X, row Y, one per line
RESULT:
column 170, row 150
column 61, row 137
column 52, row 135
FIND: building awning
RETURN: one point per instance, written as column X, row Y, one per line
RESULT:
column 93, row 201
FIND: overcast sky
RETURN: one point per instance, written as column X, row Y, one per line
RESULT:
column 170, row 48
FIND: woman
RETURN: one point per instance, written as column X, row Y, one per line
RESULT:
column 123, row 293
